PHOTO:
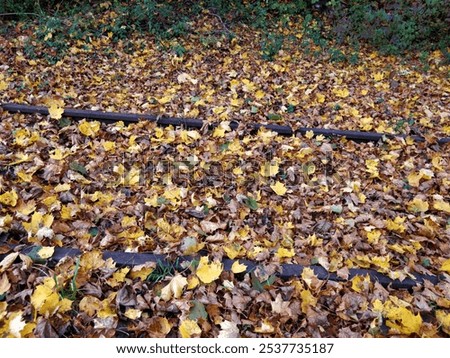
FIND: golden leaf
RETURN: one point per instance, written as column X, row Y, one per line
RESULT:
column 56, row 109
column 403, row 320
column 444, row 320
column 283, row 252
column 341, row 92
column 372, row 167
column 418, row 205
column 237, row 267
column 46, row 252
column 308, row 300
column 309, row 134
column 46, row 301
column 378, row 76
column 189, row 328
column 9, row 198
column 118, row 277
column 397, row 224
column 141, row 272
column 442, row 206
column 320, row 97
column 373, row 236
column 3, row 85
column 108, row 145
column 279, row 188
column 89, row 129
column 62, row 187
column 208, row 272
column 445, row 266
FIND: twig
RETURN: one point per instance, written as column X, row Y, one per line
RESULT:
column 226, row 29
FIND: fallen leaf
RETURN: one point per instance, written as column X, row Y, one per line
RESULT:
column 208, row 272
column 174, row 288
column 189, row 328
column 237, row 267
column 279, row 188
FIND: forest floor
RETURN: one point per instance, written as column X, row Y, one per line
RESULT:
column 216, row 194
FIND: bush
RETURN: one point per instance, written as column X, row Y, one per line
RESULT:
column 390, row 26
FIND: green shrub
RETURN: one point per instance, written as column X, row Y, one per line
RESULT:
column 390, row 26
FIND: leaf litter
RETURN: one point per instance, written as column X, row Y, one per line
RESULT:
column 222, row 194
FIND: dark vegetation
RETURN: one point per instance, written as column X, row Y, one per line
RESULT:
column 394, row 27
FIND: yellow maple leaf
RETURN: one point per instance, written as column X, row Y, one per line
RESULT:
column 108, row 145
column 397, row 224
column 193, row 282
column 89, row 129
column 259, row 94
column 418, row 205
column 58, row 154
column 3, row 85
column 174, row 288
column 320, row 97
column 24, row 137
column 308, row 300
column 445, row 266
column 46, row 300
column 25, row 177
column 189, row 328
column 414, row 179
column 366, row 123
column 237, row 267
column 118, row 277
column 9, row 198
column 309, row 134
column 372, row 167
column 373, row 236
column 141, row 271
column 283, row 252
column 237, row 171
column 444, row 320
column 360, row 283
column 442, row 206
column 55, row 111
column 279, row 188
column 234, row 250
column 132, row 177
column 378, row 76
column 403, row 320
column 208, row 272
column 341, row 92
